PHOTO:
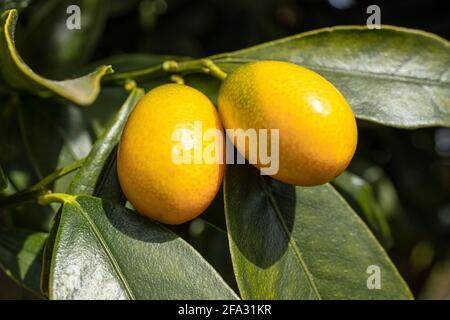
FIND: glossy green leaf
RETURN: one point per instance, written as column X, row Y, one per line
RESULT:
column 105, row 251
column 3, row 180
column 301, row 243
column 17, row 74
column 393, row 76
column 48, row 254
column 20, row 256
column 363, row 195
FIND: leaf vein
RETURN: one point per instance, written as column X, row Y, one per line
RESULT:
column 355, row 73
column 104, row 246
column 291, row 242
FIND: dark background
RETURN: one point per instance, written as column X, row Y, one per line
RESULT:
column 409, row 170
column 204, row 27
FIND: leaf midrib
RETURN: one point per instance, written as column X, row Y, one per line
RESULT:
column 292, row 243
column 104, row 246
column 353, row 73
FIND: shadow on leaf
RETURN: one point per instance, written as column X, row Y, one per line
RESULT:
column 257, row 208
column 133, row 225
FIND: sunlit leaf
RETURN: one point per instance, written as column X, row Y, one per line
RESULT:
column 105, row 251
column 301, row 243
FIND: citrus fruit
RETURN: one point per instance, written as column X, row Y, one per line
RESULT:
column 157, row 165
column 317, row 128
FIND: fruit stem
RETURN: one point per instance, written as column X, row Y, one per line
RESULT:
column 206, row 66
column 177, row 79
column 212, row 69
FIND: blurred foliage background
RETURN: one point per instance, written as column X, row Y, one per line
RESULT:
column 409, row 171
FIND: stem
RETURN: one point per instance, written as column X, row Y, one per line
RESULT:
column 37, row 190
column 177, row 79
column 194, row 66
column 61, row 172
column 48, row 198
column 214, row 70
column 205, row 66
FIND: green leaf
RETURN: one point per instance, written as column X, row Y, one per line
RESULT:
column 362, row 193
column 89, row 179
column 20, row 256
column 3, row 180
column 301, row 243
column 48, row 254
column 392, row 76
column 17, row 74
column 105, row 251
